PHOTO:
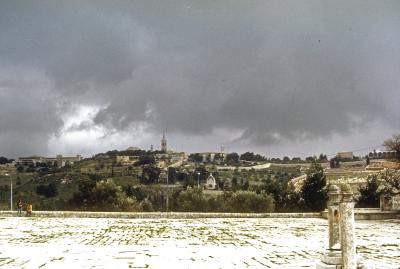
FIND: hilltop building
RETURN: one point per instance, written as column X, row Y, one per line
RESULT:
column 171, row 159
column 133, row 149
column 59, row 160
column 126, row 160
column 211, row 157
column 382, row 154
column 345, row 155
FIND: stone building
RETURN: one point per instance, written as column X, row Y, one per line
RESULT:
column 345, row 155
column 211, row 157
column 126, row 160
column 131, row 148
column 382, row 154
column 59, row 160
column 211, row 183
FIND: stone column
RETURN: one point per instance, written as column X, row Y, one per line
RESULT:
column 332, row 258
column 333, row 217
column 347, row 229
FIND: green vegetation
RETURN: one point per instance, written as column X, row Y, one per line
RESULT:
column 369, row 194
column 251, row 157
column 140, row 184
column 143, row 181
column 48, row 191
column 193, row 199
column 313, row 191
column 391, row 181
column 4, row 160
column 103, row 195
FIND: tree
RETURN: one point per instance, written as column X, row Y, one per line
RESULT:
column 146, row 159
column 150, row 175
column 290, row 199
column 196, row 157
column 232, row 158
column 20, row 168
column 218, row 157
column 82, row 196
column 136, row 192
column 247, row 201
column 129, row 170
column 273, row 187
column 172, row 175
column 106, row 195
column 103, row 195
column 393, row 144
column 4, row 160
column 234, row 183
column 250, row 156
column 192, row 199
column 391, row 181
column 334, row 163
column 296, row 159
column 313, row 191
column 247, row 156
column 246, row 185
column 47, row 190
column 310, row 158
column 369, row 194
column 322, row 158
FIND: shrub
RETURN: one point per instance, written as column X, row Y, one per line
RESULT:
column 47, row 190
column 369, row 195
column 313, row 191
column 192, row 199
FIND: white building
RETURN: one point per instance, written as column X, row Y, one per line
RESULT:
column 345, row 155
column 59, row 160
column 211, row 183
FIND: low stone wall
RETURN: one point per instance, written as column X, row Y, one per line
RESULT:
column 359, row 214
column 371, row 214
column 158, row 215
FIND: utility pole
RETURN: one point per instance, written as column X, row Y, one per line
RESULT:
column 167, row 192
column 11, row 193
column 198, row 180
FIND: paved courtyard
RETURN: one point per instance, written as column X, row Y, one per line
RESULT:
column 191, row 243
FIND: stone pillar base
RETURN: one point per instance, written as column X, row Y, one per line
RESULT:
column 333, row 257
column 322, row 265
column 332, row 260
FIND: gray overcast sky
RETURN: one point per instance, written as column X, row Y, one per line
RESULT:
column 277, row 77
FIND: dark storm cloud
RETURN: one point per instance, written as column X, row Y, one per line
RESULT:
column 273, row 70
column 29, row 114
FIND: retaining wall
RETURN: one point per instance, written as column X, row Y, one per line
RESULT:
column 359, row 214
column 156, row 215
column 371, row 214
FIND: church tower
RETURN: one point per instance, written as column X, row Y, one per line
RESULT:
column 164, row 143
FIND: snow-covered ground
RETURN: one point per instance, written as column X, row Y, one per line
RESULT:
column 191, row 243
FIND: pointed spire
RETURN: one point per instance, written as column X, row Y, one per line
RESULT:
column 164, row 142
